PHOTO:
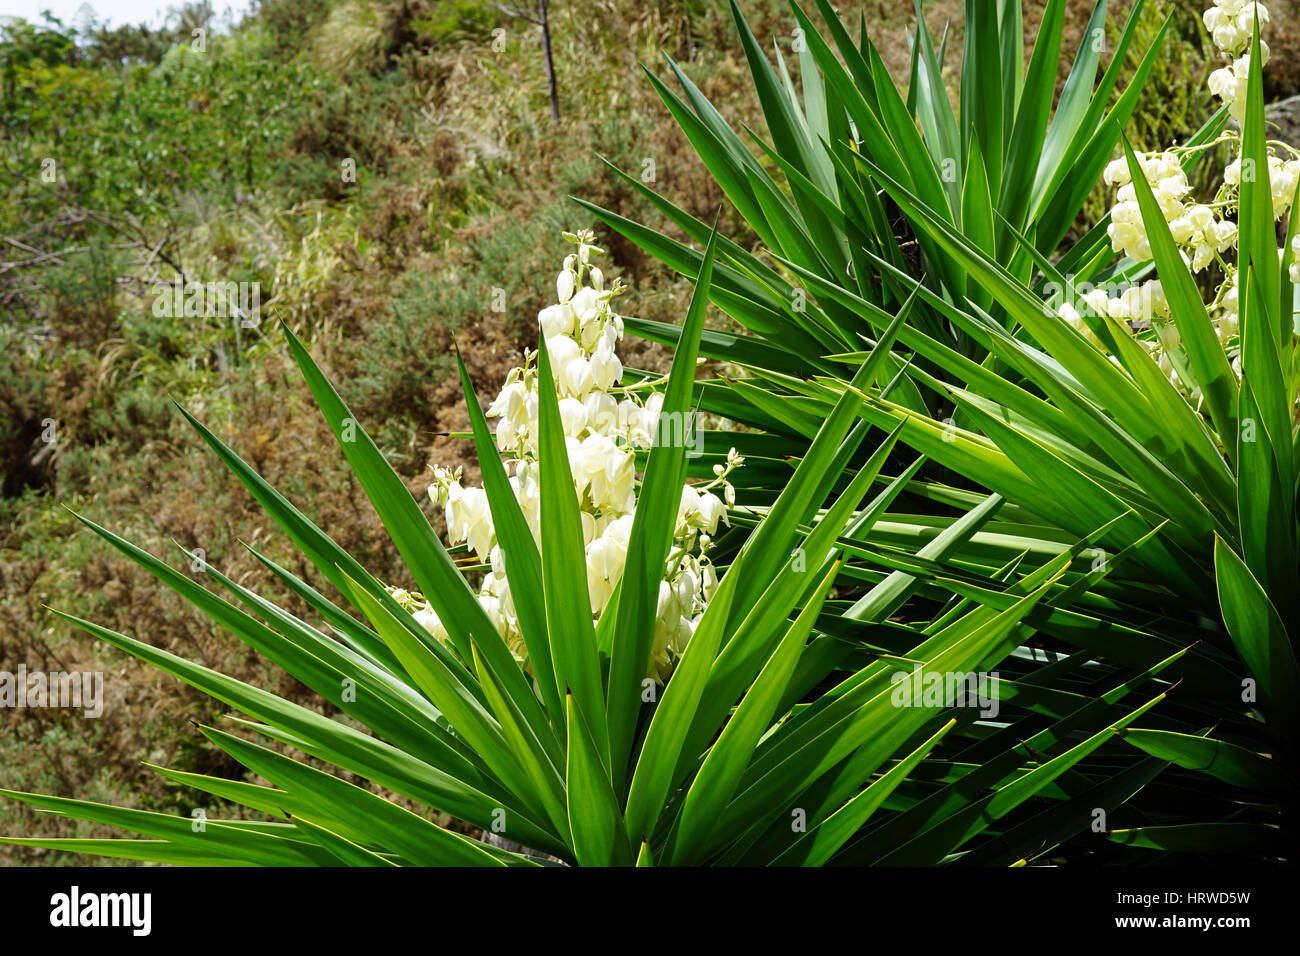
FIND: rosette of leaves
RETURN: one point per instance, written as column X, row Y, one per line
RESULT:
column 869, row 194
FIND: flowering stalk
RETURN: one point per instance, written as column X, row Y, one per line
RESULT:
column 1203, row 231
column 603, row 432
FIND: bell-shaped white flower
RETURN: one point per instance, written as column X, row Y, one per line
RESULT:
column 576, row 379
column 711, row 510
column 562, row 350
column 556, row 320
column 688, row 506
column 602, row 412
column 428, row 620
column 564, row 286
column 589, row 334
column 573, row 416
column 586, row 305
column 606, row 369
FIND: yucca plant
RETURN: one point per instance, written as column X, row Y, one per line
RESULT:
column 1014, row 169
column 1075, row 427
column 780, row 736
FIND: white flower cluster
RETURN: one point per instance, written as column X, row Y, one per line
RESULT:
column 1228, row 83
column 1231, row 23
column 1194, row 225
column 1202, row 231
column 1282, row 178
column 1169, row 184
column 604, row 425
column 1134, row 308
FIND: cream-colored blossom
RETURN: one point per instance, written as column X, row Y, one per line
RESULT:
column 604, row 425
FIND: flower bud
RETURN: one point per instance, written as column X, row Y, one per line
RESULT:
column 564, row 286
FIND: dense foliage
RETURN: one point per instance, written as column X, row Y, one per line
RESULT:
column 940, row 460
